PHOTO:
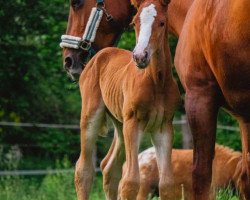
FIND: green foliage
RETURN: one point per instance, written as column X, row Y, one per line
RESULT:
column 34, row 87
column 227, row 193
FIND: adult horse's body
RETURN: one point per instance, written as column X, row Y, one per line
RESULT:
column 137, row 100
column 212, row 61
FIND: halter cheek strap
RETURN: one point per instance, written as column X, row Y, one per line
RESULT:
column 89, row 35
column 85, row 43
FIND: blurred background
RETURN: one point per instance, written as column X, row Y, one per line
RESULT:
column 40, row 105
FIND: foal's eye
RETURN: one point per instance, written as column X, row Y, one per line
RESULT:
column 132, row 24
column 162, row 24
column 76, row 3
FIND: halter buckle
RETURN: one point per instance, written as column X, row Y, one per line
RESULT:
column 85, row 45
column 109, row 17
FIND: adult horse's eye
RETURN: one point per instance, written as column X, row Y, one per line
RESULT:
column 162, row 24
column 76, row 3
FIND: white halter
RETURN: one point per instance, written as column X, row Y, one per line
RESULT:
column 69, row 41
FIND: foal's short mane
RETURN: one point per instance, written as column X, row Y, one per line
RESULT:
column 136, row 3
column 226, row 152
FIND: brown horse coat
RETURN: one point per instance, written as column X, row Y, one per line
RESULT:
column 212, row 61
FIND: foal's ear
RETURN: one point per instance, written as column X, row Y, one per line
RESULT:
column 165, row 2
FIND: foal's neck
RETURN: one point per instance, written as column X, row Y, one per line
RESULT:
column 177, row 11
column 160, row 68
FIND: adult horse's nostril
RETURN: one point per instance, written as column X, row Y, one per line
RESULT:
column 68, row 62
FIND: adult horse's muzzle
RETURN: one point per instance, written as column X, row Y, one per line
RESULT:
column 74, row 62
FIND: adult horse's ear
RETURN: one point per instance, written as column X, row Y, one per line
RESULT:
column 165, row 2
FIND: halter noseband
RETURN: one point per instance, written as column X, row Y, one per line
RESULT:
column 85, row 43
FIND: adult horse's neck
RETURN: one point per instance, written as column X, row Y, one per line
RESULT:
column 160, row 67
column 177, row 11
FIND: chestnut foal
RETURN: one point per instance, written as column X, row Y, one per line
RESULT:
column 140, row 97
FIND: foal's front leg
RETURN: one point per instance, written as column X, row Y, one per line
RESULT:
column 163, row 141
column 131, row 180
column 112, row 170
column 92, row 119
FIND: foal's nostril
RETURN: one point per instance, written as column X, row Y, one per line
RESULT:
column 68, row 62
column 146, row 54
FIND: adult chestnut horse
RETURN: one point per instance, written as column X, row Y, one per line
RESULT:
column 140, row 97
column 213, row 63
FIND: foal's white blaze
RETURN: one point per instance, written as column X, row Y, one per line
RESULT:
column 147, row 18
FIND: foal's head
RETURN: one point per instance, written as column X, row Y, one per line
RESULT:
column 105, row 21
column 151, row 30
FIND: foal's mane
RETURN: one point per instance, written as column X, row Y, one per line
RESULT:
column 226, row 152
column 136, row 3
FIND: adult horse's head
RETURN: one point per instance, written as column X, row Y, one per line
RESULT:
column 92, row 26
column 150, row 27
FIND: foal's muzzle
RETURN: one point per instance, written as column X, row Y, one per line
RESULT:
column 141, row 59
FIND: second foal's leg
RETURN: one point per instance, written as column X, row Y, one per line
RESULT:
column 92, row 119
column 163, row 141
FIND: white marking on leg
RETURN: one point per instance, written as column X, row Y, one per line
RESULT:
column 163, row 147
column 147, row 18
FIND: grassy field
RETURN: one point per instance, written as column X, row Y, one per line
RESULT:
column 59, row 187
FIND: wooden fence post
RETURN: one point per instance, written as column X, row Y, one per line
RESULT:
column 187, row 139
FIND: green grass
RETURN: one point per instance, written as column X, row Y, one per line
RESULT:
column 60, row 187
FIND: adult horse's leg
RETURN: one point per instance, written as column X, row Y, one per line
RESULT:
column 202, row 106
column 112, row 171
column 92, row 119
column 163, row 141
column 244, row 181
column 129, row 185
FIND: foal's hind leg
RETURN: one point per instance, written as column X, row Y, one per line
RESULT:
column 92, row 119
column 163, row 141
column 244, row 178
column 112, row 171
